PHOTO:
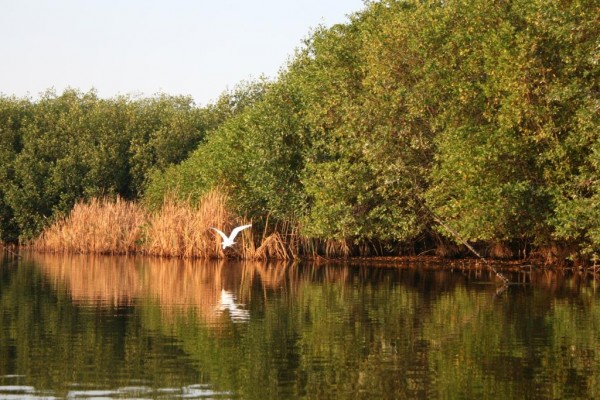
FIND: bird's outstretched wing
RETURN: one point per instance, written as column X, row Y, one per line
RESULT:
column 238, row 230
column 220, row 233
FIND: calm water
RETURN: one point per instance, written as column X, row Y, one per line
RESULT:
column 84, row 327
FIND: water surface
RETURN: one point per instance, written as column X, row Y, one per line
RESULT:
column 116, row 327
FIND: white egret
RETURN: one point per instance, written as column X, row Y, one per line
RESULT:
column 228, row 241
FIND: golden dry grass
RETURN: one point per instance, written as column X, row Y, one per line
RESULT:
column 178, row 229
column 100, row 226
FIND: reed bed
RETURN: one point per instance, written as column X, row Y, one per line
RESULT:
column 277, row 242
column 100, row 226
column 180, row 230
column 177, row 229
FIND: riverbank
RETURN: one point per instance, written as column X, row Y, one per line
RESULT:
column 182, row 229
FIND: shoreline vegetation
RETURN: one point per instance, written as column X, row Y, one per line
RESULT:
column 417, row 128
column 179, row 229
column 176, row 229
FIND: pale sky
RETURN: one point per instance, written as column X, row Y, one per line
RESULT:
column 144, row 47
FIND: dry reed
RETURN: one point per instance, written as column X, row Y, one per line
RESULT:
column 178, row 229
column 280, row 242
column 100, row 226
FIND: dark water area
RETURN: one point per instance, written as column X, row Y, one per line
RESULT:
column 116, row 327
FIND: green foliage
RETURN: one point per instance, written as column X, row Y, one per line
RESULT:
column 50, row 166
column 370, row 148
column 518, row 120
column 571, row 159
column 12, row 114
column 485, row 182
column 255, row 156
column 164, row 130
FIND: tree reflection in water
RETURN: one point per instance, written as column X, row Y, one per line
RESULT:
column 328, row 331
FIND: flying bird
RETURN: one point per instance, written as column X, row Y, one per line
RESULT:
column 228, row 241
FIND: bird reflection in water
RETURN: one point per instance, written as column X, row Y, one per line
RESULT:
column 227, row 302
